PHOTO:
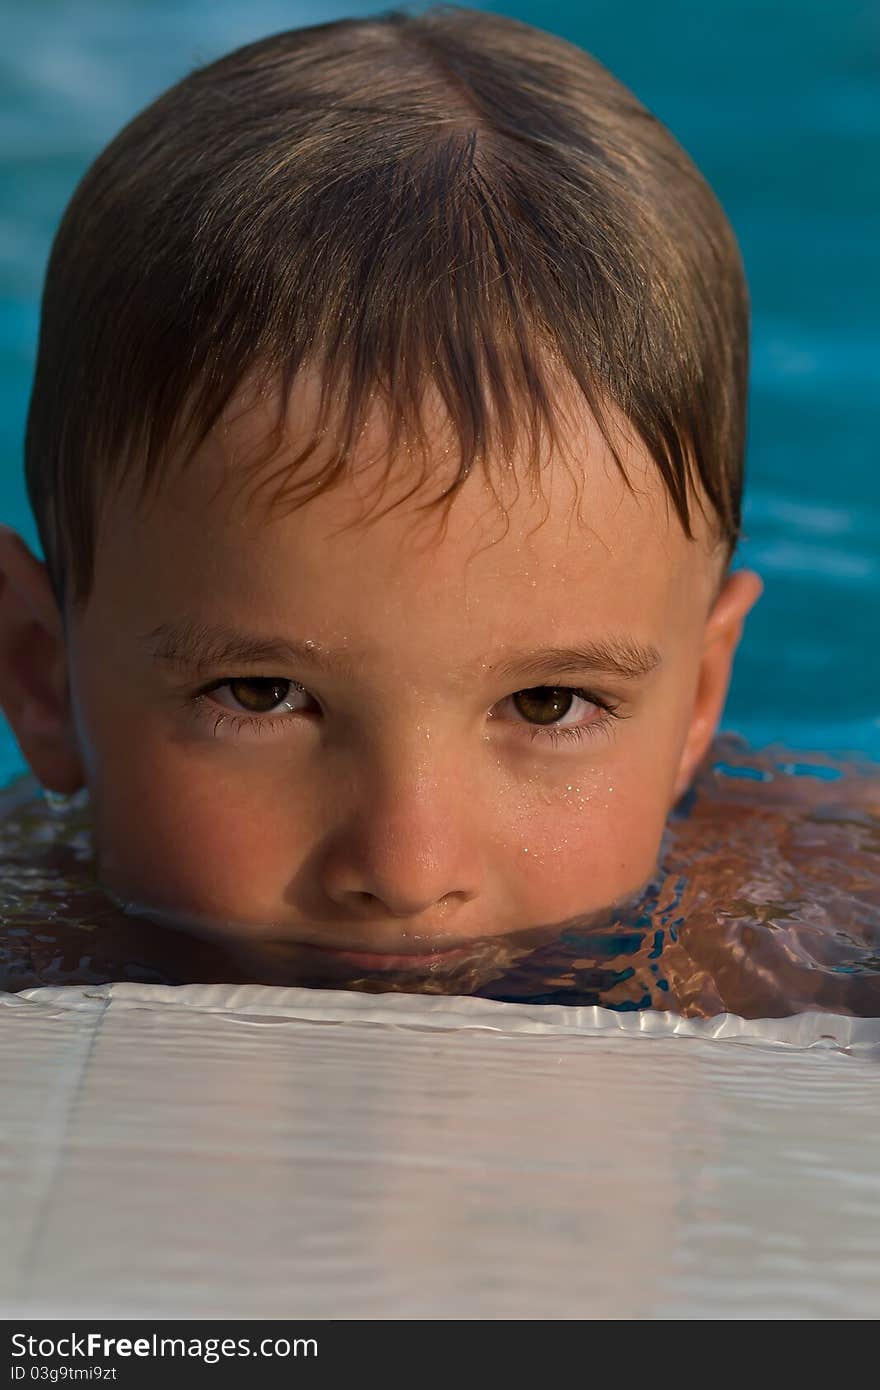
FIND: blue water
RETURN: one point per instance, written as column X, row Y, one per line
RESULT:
column 778, row 106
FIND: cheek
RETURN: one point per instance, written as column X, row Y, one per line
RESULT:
column 579, row 850
column 172, row 833
column 591, row 836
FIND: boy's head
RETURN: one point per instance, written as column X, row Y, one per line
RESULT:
column 418, row 344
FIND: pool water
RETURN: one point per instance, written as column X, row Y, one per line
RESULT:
column 767, row 896
column 765, row 902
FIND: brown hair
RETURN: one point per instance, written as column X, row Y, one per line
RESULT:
column 453, row 196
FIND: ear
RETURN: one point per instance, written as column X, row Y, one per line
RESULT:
column 724, row 626
column 34, row 693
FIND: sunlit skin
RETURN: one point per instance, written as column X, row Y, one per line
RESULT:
column 415, row 802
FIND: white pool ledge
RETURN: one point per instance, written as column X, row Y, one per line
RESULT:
column 251, row 1151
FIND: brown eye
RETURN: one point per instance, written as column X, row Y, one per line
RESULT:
column 544, row 704
column 258, row 694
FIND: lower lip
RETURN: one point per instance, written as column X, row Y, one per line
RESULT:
column 374, row 960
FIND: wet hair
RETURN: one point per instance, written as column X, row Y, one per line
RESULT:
column 452, row 197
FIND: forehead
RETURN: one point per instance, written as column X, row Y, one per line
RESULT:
column 575, row 532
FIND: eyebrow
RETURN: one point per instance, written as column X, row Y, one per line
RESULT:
column 195, row 646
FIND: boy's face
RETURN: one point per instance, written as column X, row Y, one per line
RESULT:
column 411, row 796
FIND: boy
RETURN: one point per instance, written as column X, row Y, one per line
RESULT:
column 334, row 288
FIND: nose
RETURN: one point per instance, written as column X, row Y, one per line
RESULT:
column 407, row 845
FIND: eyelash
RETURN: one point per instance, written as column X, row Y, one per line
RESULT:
column 261, row 723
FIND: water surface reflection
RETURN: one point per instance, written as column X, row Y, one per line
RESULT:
column 765, row 902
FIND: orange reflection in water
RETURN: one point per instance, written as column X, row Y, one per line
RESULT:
column 766, row 902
